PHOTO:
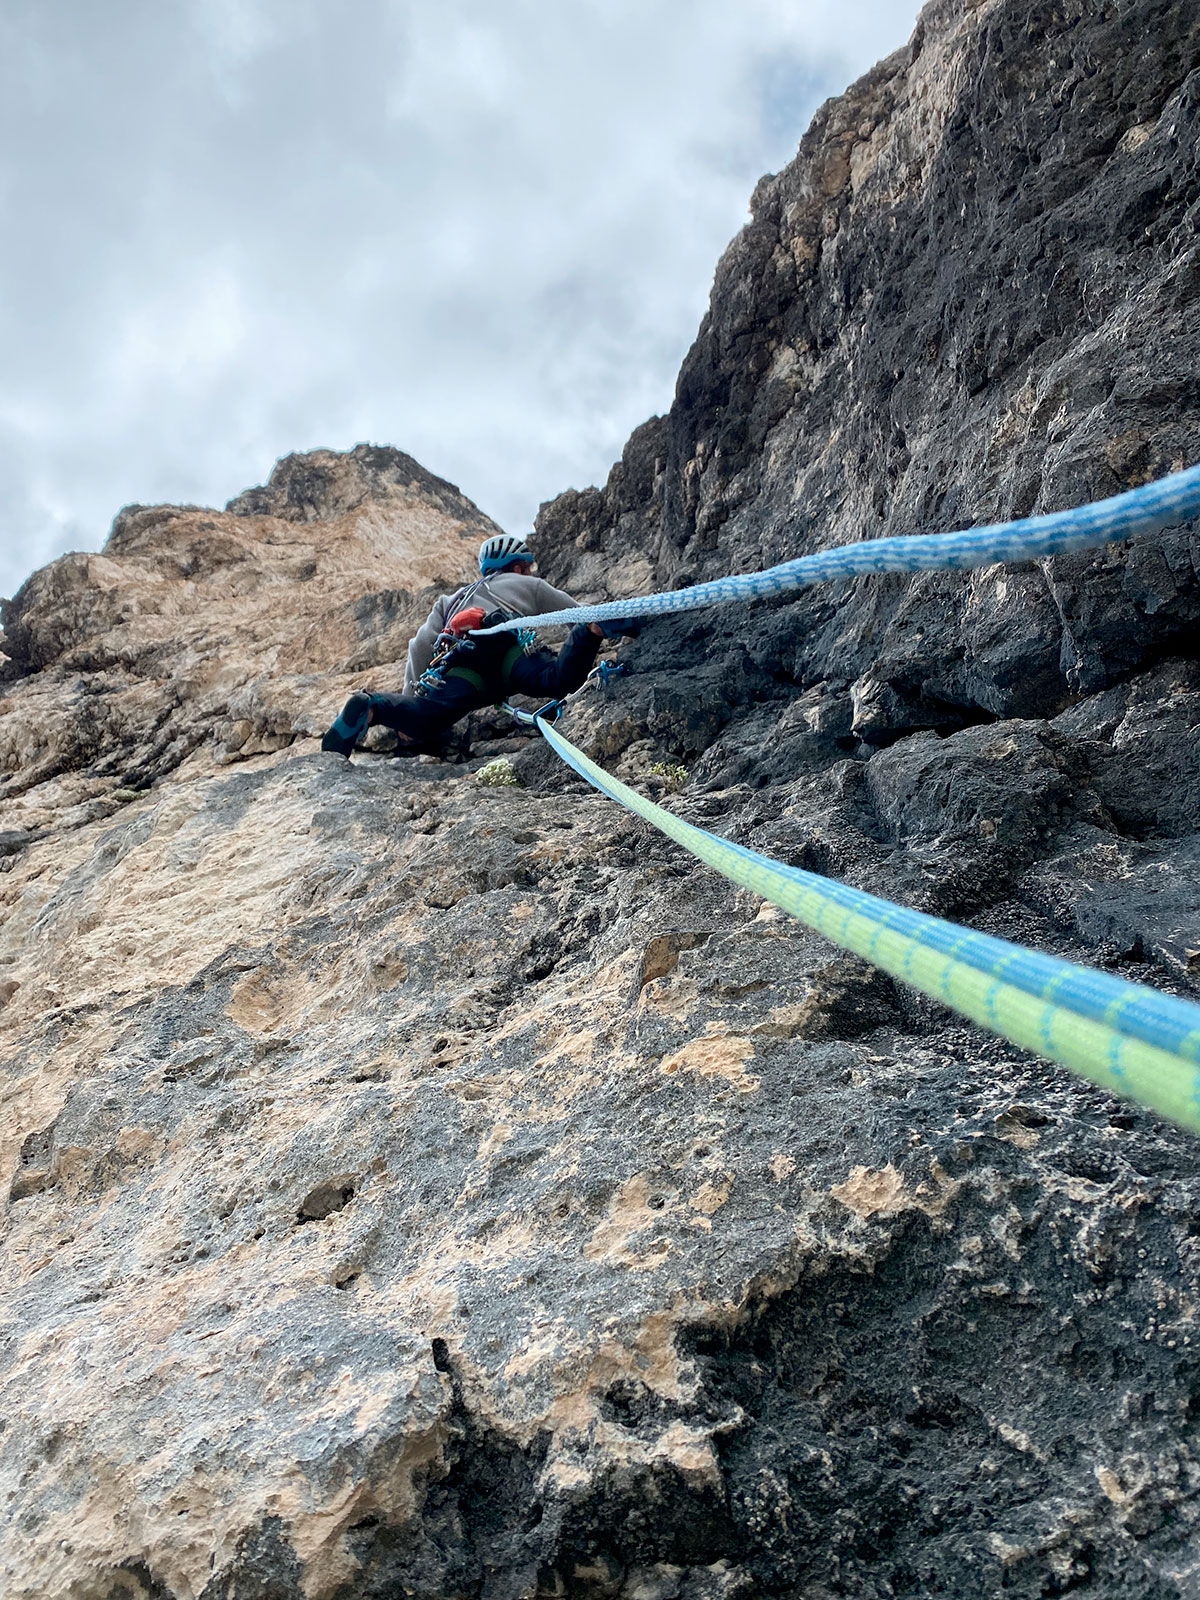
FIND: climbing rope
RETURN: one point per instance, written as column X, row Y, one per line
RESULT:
column 1122, row 1036
column 1140, row 511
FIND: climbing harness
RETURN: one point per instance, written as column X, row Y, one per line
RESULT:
column 1127, row 1038
column 462, row 635
column 451, row 637
column 1140, row 511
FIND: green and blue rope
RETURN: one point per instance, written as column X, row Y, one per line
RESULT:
column 1121, row 1036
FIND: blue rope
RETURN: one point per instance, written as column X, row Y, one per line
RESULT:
column 1141, row 1013
column 1158, row 505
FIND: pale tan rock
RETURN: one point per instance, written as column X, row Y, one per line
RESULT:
column 232, row 633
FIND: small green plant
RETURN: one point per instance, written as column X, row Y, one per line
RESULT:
column 498, row 774
column 674, row 777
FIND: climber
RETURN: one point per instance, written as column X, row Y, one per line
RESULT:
column 450, row 673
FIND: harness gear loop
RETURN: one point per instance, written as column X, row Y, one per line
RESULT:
column 455, row 641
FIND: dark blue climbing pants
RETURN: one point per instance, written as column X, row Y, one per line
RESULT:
column 479, row 681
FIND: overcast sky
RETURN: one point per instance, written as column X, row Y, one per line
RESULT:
column 481, row 230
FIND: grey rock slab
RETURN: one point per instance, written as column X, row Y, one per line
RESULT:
column 1135, row 899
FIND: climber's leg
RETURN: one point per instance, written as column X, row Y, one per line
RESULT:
column 425, row 717
column 556, row 676
column 419, row 719
column 349, row 726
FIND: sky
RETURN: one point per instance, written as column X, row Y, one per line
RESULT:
column 483, row 231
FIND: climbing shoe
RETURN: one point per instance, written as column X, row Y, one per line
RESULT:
column 350, row 726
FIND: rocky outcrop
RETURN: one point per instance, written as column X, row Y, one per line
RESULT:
column 324, row 485
column 971, row 296
column 196, row 629
column 416, row 1186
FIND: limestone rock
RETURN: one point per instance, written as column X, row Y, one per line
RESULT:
column 324, row 485
column 232, row 631
column 418, row 1186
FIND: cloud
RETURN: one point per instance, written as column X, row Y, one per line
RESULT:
column 483, row 232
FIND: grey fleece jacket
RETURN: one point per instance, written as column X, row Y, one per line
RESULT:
column 524, row 596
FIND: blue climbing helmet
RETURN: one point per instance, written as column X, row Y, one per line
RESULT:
column 502, row 551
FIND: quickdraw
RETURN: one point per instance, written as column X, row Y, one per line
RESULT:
column 602, row 673
column 550, row 712
column 605, row 671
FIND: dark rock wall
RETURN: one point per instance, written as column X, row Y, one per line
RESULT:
column 972, row 296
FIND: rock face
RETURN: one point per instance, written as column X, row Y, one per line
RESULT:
column 971, row 296
column 417, row 1187
column 240, row 627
